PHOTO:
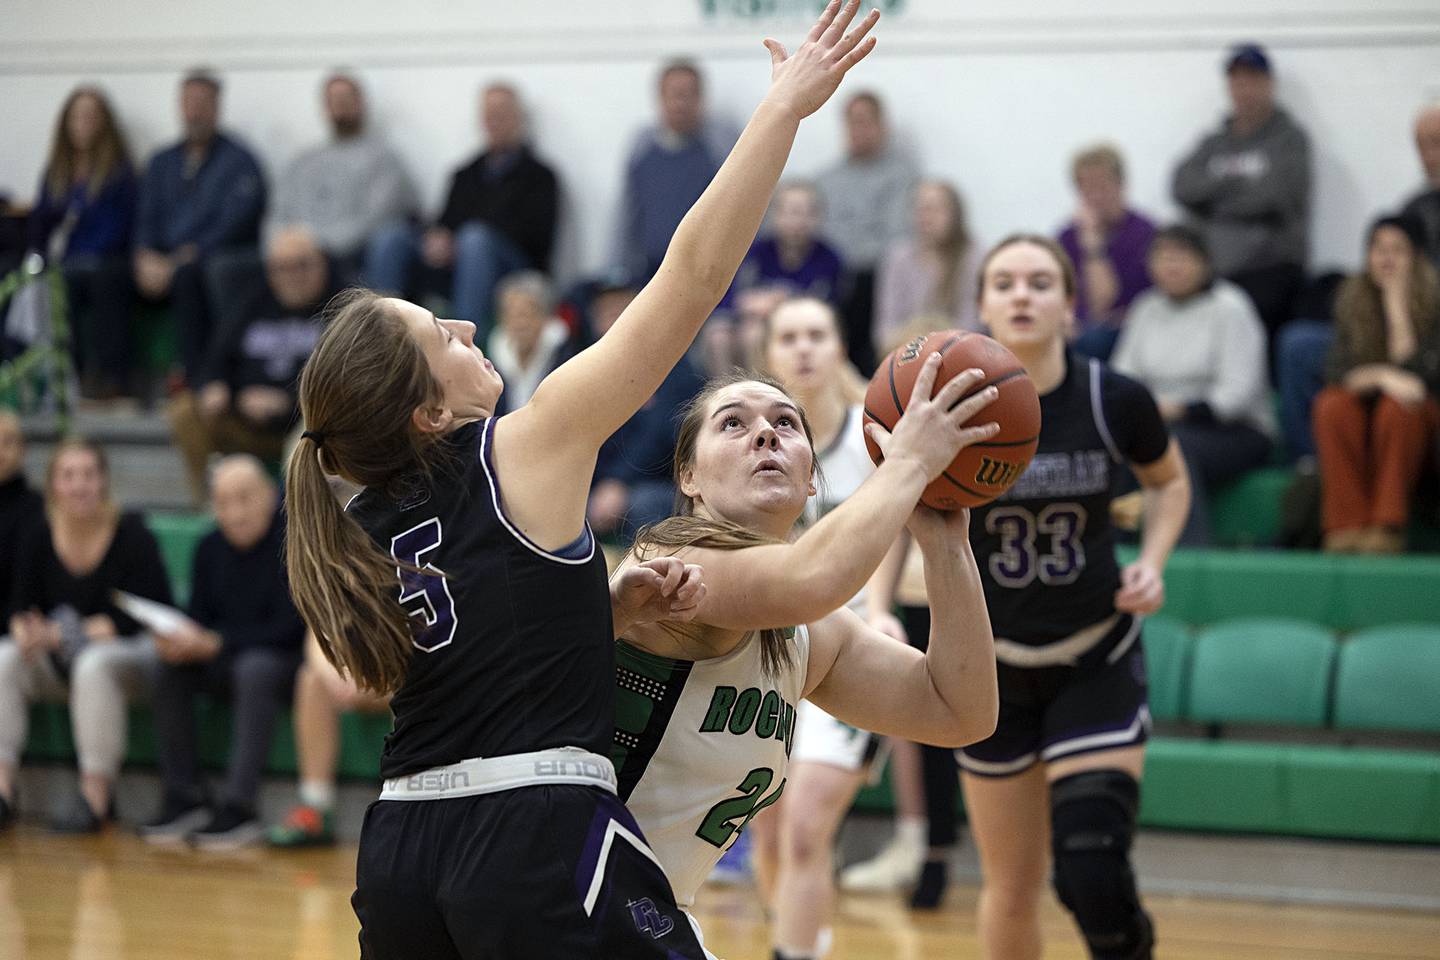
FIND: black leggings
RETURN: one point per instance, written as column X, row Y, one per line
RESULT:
column 938, row 767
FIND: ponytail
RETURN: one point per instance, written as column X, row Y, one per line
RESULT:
column 358, row 392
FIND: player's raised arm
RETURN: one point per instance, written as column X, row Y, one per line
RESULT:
column 592, row 395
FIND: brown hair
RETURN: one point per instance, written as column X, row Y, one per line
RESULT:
column 109, row 156
column 358, row 393
column 1102, row 155
column 1062, row 259
column 685, row 529
column 72, row 444
column 954, row 248
column 1360, row 322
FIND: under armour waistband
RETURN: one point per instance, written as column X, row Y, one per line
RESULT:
column 470, row 778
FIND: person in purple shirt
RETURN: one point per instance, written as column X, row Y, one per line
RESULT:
column 82, row 220
column 793, row 256
column 1108, row 243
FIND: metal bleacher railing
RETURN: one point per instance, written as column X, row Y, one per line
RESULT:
column 41, row 376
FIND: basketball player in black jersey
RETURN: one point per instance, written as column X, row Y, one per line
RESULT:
column 1065, row 760
column 464, row 579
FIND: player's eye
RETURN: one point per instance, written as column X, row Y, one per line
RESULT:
column 785, row 422
column 731, row 422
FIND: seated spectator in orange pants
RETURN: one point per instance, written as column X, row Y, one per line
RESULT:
column 245, row 401
column 1376, row 422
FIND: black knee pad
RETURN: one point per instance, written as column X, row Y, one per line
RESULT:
column 1092, row 818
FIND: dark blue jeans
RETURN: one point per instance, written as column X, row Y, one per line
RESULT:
column 1301, row 349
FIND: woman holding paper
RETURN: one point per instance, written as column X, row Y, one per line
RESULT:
column 68, row 640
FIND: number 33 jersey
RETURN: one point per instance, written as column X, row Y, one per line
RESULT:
column 1046, row 548
column 700, row 748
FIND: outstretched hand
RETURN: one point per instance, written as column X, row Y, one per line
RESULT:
column 665, row 588
column 804, row 80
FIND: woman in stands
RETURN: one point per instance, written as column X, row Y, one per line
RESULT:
column 68, row 641
column 497, row 638
column 706, row 709
column 1065, row 761
column 1376, row 420
column 802, row 346
column 81, row 223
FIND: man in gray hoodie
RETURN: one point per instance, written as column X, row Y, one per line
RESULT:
column 1247, row 188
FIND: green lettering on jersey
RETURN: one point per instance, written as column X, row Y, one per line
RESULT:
column 786, row 730
column 744, row 713
column 769, row 717
column 720, row 703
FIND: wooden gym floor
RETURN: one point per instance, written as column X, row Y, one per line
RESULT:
column 115, row 898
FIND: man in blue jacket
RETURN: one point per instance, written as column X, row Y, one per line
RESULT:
column 200, row 197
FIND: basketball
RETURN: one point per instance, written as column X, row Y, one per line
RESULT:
column 982, row 471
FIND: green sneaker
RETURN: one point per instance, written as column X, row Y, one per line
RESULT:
column 304, row 826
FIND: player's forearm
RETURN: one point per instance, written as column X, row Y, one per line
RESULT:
column 961, row 657
column 714, row 236
column 1166, row 508
column 880, row 588
column 833, row 559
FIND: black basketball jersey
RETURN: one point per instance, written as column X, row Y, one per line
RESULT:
column 517, row 653
column 1045, row 548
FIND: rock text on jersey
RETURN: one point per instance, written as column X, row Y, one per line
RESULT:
column 741, row 711
column 1050, row 476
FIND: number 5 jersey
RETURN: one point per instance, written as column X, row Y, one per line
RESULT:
column 700, row 748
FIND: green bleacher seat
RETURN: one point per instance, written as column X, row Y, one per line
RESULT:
column 1212, row 785
column 1388, row 678
column 1362, row 793
column 1167, row 662
column 1246, row 513
column 178, row 535
column 1262, row 671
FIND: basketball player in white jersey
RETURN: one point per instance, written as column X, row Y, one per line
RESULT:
column 705, row 710
column 802, row 347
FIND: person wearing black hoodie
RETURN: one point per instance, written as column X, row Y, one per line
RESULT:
column 245, row 401
column 244, row 646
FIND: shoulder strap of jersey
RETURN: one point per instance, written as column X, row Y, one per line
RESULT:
column 1097, row 410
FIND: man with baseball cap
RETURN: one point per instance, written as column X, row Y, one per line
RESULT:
column 1246, row 186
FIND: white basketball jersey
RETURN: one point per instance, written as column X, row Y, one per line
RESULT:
column 701, row 747
column 844, row 465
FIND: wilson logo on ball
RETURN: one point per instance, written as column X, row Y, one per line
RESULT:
column 911, row 350
column 995, row 473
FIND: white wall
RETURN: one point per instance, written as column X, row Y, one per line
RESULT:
column 993, row 94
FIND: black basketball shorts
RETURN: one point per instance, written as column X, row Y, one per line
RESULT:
column 547, row 871
column 1049, row 713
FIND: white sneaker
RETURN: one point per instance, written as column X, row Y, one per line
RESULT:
column 894, row 868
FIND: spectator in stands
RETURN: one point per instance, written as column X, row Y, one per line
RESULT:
column 633, row 485
column 68, row 639
column 1108, row 243
column 321, row 696
column 867, row 199
column 669, row 166
column 199, row 198
column 82, row 222
column 499, row 217
column 242, row 646
column 246, row 389
column 792, row 255
column 530, row 340
column 345, row 190
column 1197, row 343
column 1376, row 422
column 1424, row 207
column 1247, row 187
column 20, row 506
column 933, row 272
